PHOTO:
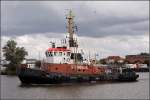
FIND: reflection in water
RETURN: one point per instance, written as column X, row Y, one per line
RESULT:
column 11, row 88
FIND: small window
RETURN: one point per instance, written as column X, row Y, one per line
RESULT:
column 50, row 54
column 56, row 68
column 64, row 53
column 55, row 53
column 79, row 70
column 68, row 53
column 83, row 70
column 60, row 53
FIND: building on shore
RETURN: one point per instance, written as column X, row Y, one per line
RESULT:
column 114, row 59
column 3, row 66
column 131, row 61
column 141, row 58
column 134, row 59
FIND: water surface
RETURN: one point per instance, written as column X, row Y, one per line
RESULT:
column 11, row 88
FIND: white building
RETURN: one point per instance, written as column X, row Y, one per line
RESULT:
column 136, row 65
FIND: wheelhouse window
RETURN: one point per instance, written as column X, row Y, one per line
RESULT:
column 55, row 53
column 60, row 53
column 50, row 54
column 68, row 53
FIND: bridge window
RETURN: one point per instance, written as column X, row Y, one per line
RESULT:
column 50, row 54
column 55, row 53
column 68, row 53
column 60, row 53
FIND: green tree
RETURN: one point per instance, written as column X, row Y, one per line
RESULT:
column 38, row 63
column 15, row 55
column 144, row 53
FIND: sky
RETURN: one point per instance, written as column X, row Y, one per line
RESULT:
column 108, row 28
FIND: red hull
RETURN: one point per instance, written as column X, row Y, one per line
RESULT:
column 70, row 69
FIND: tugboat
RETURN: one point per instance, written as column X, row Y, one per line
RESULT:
column 65, row 63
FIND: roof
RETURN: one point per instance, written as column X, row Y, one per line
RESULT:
column 58, row 49
column 114, row 57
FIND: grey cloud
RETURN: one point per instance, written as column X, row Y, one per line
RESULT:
column 31, row 18
column 34, row 18
column 97, row 29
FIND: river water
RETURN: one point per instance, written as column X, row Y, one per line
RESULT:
column 11, row 88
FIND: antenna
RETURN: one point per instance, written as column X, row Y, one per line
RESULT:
column 39, row 56
column 75, row 27
column 53, row 44
column 89, row 56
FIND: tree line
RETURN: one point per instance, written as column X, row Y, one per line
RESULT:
column 14, row 55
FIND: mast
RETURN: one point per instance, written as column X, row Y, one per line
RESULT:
column 71, row 30
column 71, row 26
